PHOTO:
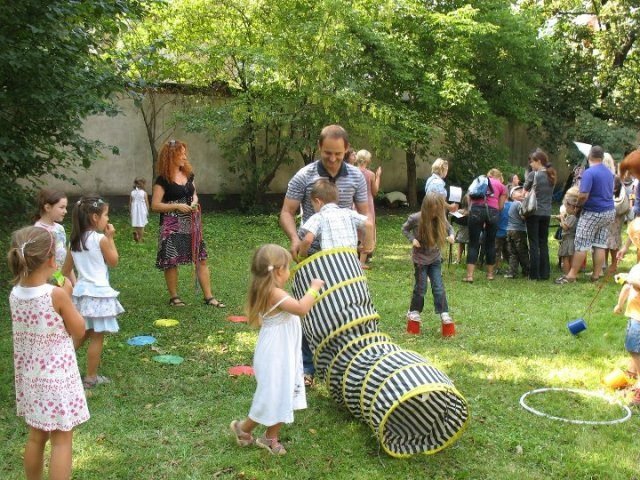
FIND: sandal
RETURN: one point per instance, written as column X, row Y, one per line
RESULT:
column 272, row 445
column 308, row 380
column 212, row 301
column 564, row 280
column 88, row 384
column 243, row 438
column 490, row 277
column 467, row 280
column 176, row 302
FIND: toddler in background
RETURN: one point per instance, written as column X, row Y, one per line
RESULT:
column 462, row 234
column 48, row 388
column 52, row 208
column 630, row 293
column 277, row 360
column 92, row 252
column 139, row 208
column 568, row 222
column 517, row 244
column 502, row 251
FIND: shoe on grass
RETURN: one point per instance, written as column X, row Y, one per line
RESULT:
column 272, row 445
column 414, row 316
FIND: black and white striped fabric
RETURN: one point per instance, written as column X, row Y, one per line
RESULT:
column 410, row 405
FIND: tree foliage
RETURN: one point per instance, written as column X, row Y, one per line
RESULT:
column 56, row 69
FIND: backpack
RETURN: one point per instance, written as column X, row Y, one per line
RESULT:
column 480, row 188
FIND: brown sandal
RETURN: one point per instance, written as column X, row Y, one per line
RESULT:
column 176, row 302
column 213, row 302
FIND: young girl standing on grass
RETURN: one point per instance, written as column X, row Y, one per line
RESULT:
column 428, row 231
column 49, row 392
column 277, row 360
column 52, row 208
column 91, row 253
column 139, row 208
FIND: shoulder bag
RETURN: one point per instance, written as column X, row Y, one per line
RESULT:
column 529, row 203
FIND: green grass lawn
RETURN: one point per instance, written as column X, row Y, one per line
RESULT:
column 171, row 422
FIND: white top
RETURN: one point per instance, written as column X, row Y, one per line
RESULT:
column 60, row 239
column 93, row 274
column 335, row 226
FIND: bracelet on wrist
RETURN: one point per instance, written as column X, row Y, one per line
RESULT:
column 313, row 292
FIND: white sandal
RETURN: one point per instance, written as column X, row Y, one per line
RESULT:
column 243, row 439
column 272, row 445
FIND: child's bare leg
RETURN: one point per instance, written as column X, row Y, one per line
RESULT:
column 247, row 425
column 273, row 431
column 94, row 352
column 61, row 455
column 634, row 363
column 139, row 232
column 34, row 453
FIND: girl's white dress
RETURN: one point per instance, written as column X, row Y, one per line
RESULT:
column 277, row 363
column 49, row 392
column 139, row 210
column 94, row 298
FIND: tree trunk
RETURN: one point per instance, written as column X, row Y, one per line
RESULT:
column 412, row 193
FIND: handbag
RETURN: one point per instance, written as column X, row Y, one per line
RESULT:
column 529, row 203
column 622, row 203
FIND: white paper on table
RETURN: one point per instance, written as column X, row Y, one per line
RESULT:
column 458, row 214
column 455, row 194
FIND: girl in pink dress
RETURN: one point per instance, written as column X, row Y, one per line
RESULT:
column 49, row 393
column 363, row 160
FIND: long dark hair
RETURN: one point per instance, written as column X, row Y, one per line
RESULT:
column 542, row 157
column 81, row 220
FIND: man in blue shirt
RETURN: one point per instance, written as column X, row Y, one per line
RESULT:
column 598, row 213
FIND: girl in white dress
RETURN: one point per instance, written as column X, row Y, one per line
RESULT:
column 277, row 360
column 139, row 207
column 92, row 253
column 49, row 392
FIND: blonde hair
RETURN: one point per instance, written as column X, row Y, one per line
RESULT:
column 432, row 227
column 266, row 260
column 325, row 191
column 439, row 166
column 363, row 158
column 495, row 173
column 609, row 162
column 30, row 248
column 633, row 231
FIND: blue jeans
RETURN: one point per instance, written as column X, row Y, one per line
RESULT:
column 482, row 219
column 434, row 272
column 307, row 357
column 538, row 236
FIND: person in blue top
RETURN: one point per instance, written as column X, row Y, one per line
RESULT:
column 598, row 213
column 435, row 183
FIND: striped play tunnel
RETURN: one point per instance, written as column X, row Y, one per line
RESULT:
column 410, row 405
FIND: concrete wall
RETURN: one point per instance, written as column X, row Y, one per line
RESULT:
column 113, row 175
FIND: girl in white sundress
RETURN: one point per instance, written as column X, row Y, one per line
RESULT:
column 49, row 393
column 277, row 360
column 139, row 207
column 91, row 253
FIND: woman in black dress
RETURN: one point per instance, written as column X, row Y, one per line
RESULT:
column 180, row 235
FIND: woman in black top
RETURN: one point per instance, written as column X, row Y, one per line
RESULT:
column 180, row 234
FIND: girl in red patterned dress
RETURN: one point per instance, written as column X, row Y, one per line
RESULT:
column 49, row 392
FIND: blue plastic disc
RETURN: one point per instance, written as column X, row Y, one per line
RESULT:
column 141, row 340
